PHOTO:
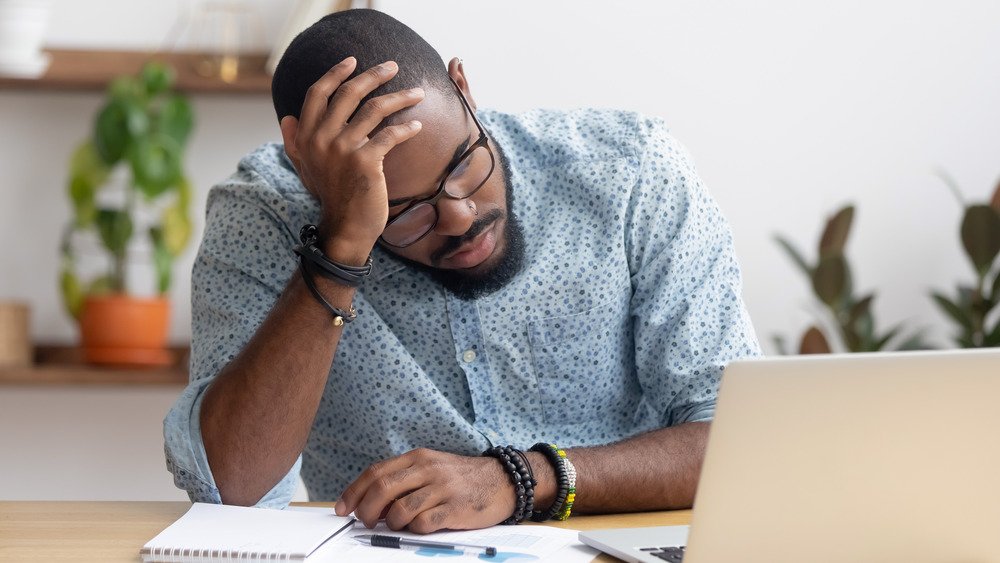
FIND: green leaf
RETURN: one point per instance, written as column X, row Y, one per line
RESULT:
column 72, row 293
column 813, row 342
column 960, row 315
column 865, row 333
column 830, row 278
column 157, row 77
column 915, row 342
column 111, row 136
column 156, row 164
column 780, row 345
column 995, row 200
column 794, row 254
column 162, row 260
column 981, row 236
column 952, row 185
column 835, row 234
column 881, row 342
column 126, row 88
column 115, row 228
column 87, row 173
column 176, row 119
column 103, row 285
column 995, row 291
column 176, row 229
column 861, row 307
column 993, row 338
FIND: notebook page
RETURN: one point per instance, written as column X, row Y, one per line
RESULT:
column 238, row 529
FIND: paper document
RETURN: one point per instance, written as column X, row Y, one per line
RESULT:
column 515, row 544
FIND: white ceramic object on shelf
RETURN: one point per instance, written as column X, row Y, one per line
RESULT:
column 22, row 32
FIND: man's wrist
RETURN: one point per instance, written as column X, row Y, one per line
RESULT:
column 545, row 477
column 344, row 250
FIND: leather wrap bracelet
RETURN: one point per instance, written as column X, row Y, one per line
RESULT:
column 308, row 251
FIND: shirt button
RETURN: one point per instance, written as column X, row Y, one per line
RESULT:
column 469, row 356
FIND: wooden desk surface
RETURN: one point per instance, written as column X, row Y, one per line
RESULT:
column 114, row 531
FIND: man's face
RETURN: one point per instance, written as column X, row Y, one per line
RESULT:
column 475, row 247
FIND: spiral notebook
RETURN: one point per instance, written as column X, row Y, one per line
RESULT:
column 215, row 532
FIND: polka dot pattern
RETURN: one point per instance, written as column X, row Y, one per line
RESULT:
column 626, row 311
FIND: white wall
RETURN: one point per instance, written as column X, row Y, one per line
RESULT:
column 790, row 109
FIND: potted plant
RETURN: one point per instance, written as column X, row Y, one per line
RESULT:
column 140, row 132
column 974, row 307
column 846, row 320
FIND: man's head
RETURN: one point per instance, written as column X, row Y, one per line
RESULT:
column 475, row 246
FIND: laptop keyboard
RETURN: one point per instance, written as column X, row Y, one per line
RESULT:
column 671, row 554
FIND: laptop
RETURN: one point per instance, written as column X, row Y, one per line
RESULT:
column 883, row 457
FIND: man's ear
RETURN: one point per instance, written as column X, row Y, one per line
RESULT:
column 457, row 72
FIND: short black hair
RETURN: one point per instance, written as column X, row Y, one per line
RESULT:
column 370, row 36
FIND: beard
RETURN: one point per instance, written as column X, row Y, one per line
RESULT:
column 471, row 283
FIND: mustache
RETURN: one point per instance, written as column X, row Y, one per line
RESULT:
column 454, row 243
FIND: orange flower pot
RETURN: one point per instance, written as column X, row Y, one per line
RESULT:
column 122, row 330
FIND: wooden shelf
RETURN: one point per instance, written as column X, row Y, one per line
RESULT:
column 63, row 365
column 93, row 70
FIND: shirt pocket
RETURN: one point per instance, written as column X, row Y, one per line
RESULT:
column 583, row 362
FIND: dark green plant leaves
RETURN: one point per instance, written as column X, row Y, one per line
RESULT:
column 981, row 236
column 87, row 172
column 176, row 119
column 156, row 164
column 958, row 313
column 72, row 292
column 995, row 201
column 162, row 260
column 860, row 308
column 794, row 254
column 813, row 342
column 115, row 228
column 157, row 78
column 835, row 234
column 829, row 279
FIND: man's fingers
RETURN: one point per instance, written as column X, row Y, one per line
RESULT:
column 349, row 95
column 406, row 508
column 318, row 96
column 431, row 520
column 390, row 136
column 356, row 491
column 377, row 109
column 384, row 491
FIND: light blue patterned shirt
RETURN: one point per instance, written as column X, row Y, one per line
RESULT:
column 625, row 313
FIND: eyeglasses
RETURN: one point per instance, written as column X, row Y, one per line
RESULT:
column 463, row 178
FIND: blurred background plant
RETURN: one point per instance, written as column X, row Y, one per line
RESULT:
column 974, row 307
column 846, row 322
column 143, row 127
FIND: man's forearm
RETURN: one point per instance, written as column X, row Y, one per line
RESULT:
column 657, row 470
column 257, row 414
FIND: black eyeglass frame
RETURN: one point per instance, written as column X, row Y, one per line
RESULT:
column 482, row 141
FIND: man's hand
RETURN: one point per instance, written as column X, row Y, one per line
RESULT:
column 426, row 490
column 340, row 162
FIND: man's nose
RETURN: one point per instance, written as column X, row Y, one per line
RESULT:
column 455, row 216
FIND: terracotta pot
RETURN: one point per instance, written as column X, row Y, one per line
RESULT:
column 125, row 331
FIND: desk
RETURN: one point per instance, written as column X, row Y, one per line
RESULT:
column 109, row 532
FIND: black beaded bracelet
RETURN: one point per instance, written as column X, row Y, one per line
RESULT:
column 524, row 484
column 551, row 453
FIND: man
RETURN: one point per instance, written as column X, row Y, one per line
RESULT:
column 552, row 277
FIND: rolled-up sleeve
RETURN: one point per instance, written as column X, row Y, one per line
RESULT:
column 688, row 315
column 243, row 264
